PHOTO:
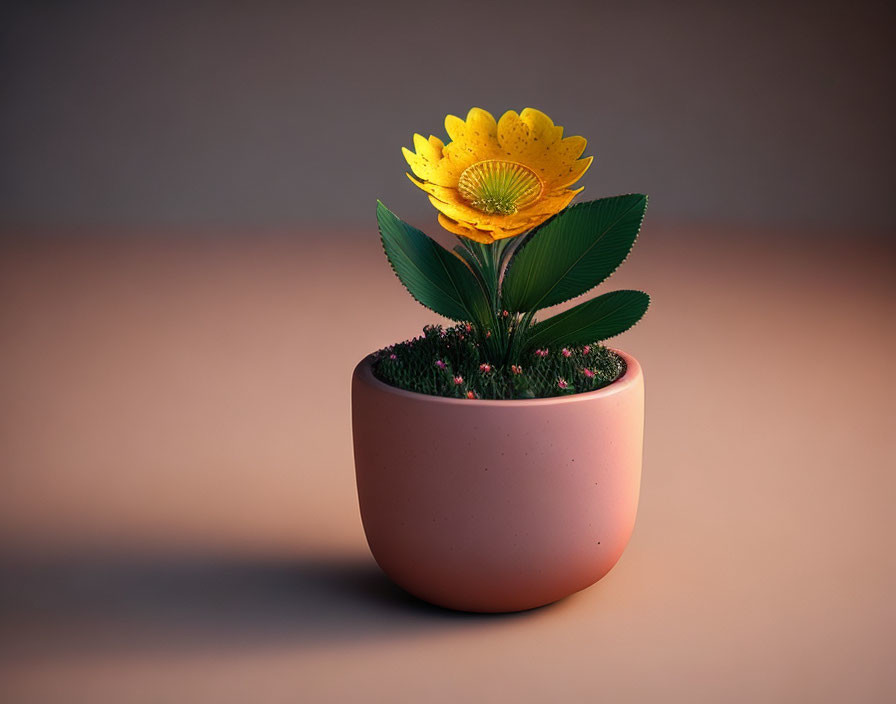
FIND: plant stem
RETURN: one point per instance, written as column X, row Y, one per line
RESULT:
column 490, row 259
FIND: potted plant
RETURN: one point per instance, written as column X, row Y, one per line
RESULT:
column 498, row 461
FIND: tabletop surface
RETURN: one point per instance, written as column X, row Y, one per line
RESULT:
column 178, row 519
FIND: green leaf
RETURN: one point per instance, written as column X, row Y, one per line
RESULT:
column 435, row 277
column 467, row 256
column 572, row 252
column 592, row 321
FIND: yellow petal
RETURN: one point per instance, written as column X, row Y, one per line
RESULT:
column 495, row 226
column 541, row 127
column 468, row 232
column 452, row 204
column 553, row 170
column 458, row 210
column 435, row 189
column 420, row 183
column 449, row 202
column 473, row 140
column 423, row 168
column 478, row 129
column 513, row 134
column 571, row 148
column 425, row 149
column 504, row 234
column 549, row 204
column 442, row 193
column 575, row 171
column 534, row 141
column 443, row 171
column 455, row 127
column 481, row 128
column 529, row 138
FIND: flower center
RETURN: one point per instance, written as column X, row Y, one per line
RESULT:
column 501, row 187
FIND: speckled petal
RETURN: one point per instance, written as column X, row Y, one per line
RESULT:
column 541, row 127
column 533, row 140
column 482, row 129
column 445, row 171
column 529, row 138
column 442, row 193
column 549, row 204
column 473, row 140
column 423, row 168
column 425, row 149
column 571, row 148
column 573, row 173
column 513, row 134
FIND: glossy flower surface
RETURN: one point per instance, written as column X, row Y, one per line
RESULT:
column 498, row 179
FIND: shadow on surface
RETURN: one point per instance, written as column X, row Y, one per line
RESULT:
column 84, row 606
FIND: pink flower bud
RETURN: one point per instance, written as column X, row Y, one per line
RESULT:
column 485, row 368
column 458, row 380
column 562, row 383
column 566, row 352
column 586, row 349
column 588, row 373
column 440, row 364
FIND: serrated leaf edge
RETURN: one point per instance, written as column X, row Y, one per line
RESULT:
column 458, row 300
column 534, row 329
column 533, row 233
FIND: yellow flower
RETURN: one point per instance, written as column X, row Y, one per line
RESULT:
column 498, row 179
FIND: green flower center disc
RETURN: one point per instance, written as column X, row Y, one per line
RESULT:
column 499, row 187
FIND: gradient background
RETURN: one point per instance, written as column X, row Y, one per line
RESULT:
column 189, row 269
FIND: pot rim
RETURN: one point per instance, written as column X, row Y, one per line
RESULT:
column 633, row 374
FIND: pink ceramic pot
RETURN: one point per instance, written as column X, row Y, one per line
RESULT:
column 497, row 505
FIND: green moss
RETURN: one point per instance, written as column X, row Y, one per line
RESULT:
column 449, row 362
